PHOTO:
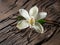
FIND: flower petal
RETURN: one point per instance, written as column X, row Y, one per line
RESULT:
column 33, row 11
column 22, row 24
column 24, row 13
column 43, row 15
column 39, row 28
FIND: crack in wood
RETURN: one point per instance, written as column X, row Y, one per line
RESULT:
column 47, row 3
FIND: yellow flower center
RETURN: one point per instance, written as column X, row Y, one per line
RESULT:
column 31, row 21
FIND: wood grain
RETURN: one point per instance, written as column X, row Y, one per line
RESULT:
column 10, row 35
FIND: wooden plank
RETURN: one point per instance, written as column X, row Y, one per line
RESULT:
column 13, row 11
column 10, row 35
column 6, row 23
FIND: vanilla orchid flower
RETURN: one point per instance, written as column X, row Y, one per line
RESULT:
column 31, row 18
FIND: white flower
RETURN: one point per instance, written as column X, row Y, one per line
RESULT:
column 31, row 18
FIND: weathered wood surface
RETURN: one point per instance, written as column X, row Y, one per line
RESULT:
column 9, row 34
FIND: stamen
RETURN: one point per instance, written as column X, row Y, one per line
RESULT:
column 32, row 21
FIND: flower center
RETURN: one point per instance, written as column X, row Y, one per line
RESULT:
column 31, row 21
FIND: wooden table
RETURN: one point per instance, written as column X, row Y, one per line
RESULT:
column 10, row 35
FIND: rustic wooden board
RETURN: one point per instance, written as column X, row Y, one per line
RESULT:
column 10, row 35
